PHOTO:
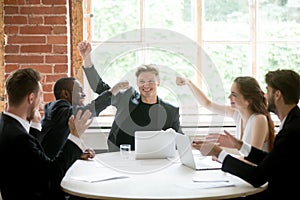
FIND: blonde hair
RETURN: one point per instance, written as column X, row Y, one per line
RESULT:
column 147, row 68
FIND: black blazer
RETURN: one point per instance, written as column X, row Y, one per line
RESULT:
column 133, row 115
column 278, row 167
column 25, row 170
column 55, row 129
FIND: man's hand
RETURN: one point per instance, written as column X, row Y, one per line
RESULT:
column 181, row 81
column 36, row 116
column 122, row 85
column 80, row 123
column 88, row 154
column 224, row 140
column 85, row 49
column 207, row 148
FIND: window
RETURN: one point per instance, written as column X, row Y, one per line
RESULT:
column 238, row 38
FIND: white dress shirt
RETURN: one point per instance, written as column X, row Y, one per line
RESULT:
column 245, row 149
column 38, row 126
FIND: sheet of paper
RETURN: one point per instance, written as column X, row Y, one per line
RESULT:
column 198, row 178
column 98, row 178
column 211, row 181
column 204, row 185
column 105, row 175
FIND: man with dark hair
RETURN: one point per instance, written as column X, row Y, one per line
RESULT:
column 26, row 171
column 70, row 98
column 277, row 168
column 289, row 88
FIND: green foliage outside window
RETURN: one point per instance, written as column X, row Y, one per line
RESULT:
column 227, row 32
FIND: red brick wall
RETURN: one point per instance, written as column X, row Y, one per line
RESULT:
column 37, row 37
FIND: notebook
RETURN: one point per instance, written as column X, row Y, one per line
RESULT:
column 155, row 144
column 193, row 160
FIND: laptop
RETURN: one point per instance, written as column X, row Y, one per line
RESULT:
column 155, row 144
column 193, row 158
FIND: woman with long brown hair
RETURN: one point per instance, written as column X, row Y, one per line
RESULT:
column 248, row 108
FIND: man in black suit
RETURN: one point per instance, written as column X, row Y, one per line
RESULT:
column 278, row 168
column 136, row 111
column 25, row 171
column 70, row 97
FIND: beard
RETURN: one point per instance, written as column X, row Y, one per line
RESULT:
column 31, row 116
column 34, row 114
column 271, row 105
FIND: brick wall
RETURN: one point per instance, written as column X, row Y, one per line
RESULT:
column 1, row 57
column 37, row 37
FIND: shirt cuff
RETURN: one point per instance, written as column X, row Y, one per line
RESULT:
column 77, row 141
column 222, row 155
column 245, row 149
column 36, row 125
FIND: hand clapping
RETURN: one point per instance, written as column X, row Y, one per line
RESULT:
column 223, row 140
column 80, row 123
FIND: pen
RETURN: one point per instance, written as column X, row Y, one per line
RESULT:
column 212, row 181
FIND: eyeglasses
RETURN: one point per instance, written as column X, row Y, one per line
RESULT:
column 143, row 82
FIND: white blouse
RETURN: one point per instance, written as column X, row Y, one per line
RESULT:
column 247, row 136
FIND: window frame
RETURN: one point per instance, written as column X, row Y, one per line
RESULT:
column 253, row 41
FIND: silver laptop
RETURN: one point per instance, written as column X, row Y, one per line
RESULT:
column 192, row 160
column 155, row 144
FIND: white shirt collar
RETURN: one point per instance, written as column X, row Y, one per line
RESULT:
column 282, row 123
column 24, row 123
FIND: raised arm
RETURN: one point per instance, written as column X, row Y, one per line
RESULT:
column 95, row 81
column 85, row 50
column 203, row 99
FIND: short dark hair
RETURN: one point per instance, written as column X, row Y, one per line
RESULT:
column 287, row 81
column 21, row 83
column 61, row 84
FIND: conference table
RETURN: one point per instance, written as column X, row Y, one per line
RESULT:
column 111, row 176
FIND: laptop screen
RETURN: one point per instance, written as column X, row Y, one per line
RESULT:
column 188, row 158
column 155, row 144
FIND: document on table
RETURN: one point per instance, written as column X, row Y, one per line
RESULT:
column 93, row 179
column 102, row 176
column 212, row 182
column 205, row 185
column 209, row 179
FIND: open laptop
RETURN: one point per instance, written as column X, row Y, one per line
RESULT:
column 155, row 144
column 192, row 160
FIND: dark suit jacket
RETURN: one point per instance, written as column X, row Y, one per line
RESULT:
column 55, row 129
column 278, row 167
column 133, row 115
column 25, row 170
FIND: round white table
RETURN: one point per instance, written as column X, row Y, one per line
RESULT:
column 109, row 176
